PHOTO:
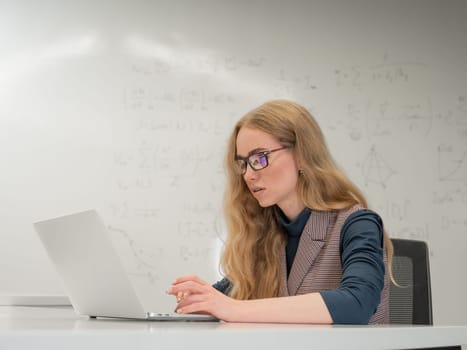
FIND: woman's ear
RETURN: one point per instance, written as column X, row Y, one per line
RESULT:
column 299, row 166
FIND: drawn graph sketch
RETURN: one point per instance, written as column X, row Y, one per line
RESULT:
column 196, row 239
column 386, row 117
column 142, row 259
column 452, row 165
column 375, row 169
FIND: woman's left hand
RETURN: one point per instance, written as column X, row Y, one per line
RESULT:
column 197, row 296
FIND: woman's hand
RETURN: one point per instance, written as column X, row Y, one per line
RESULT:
column 197, row 296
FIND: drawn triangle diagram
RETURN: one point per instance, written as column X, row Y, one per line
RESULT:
column 376, row 170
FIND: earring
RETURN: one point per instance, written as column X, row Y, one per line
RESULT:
column 300, row 171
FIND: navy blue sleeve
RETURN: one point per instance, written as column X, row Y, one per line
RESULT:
column 223, row 286
column 359, row 293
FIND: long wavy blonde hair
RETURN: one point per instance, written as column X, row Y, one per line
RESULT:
column 255, row 243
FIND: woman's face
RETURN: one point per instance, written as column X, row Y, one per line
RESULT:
column 277, row 182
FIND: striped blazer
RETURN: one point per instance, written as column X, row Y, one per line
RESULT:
column 317, row 264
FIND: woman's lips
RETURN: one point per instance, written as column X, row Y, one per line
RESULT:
column 257, row 190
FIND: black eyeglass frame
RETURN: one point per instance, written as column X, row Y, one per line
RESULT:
column 241, row 167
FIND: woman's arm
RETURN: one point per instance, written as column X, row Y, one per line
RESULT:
column 196, row 296
column 359, row 294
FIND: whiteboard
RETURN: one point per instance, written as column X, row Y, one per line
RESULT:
column 126, row 106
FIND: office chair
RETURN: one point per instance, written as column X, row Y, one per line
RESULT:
column 410, row 302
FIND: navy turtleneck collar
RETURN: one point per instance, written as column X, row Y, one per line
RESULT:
column 295, row 227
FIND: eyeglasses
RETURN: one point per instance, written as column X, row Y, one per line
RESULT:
column 257, row 160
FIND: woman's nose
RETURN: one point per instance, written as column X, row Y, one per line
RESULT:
column 250, row 173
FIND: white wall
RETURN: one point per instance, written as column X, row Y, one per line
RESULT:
column 126, row 106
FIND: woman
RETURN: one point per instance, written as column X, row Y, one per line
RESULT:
column 301, row 245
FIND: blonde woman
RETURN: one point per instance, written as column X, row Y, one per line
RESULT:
column 302, row 247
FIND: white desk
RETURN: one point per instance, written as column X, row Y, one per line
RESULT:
column 61, row 328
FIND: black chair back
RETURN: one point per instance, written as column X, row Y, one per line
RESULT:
column 410, row 302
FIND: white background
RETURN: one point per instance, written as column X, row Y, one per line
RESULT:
column 125, row 106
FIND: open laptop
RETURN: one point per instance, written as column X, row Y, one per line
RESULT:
column 93, row 274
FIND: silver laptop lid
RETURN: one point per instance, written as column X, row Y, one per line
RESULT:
column 93, row 275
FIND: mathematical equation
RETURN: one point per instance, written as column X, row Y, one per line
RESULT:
column 388, row 72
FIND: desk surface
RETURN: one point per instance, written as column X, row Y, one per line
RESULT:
column 60, row 327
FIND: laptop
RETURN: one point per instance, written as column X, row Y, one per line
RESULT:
column 95, row 280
